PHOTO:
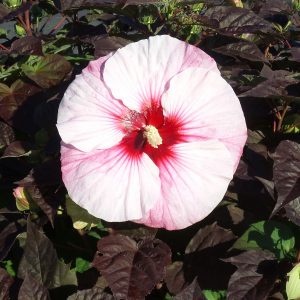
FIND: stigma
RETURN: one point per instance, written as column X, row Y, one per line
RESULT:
column 152, row 136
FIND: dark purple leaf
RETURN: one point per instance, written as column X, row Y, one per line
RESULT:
column 246, row 284
column 292, row 210
column 28, row 45
column 41, row 184
column 108, row 44
column 16, row 149
column 4, row 11
column 255, row 276
column 32, row 289
column 34, row 191
column 137, row 2
column 11, row 98
column 246, row 50
column 39, row 257
column 48, row 70
column 70, row 4
column 131, row 269
column 192, row 292
column 136, row 233
column 6, row 15
column 295, row 52
column 41, row 262
column 209, row 236
column 286, row 173
column 275, row 7
column 7, row 134
column 91, row 294
column 270, row 74
column 175, row 279
column 235, row 20
column 270, row 88
column 7, row 238
column 5, row 283
column 250, row 259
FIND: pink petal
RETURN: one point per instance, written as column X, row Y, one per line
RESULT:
column 88, row 117
column 194, row 180
column 111, row 184
column 138, row 73
column 206, row 107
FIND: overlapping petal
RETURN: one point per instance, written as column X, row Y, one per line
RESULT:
column 111, row 184
column 194, row 180
column 139, row 73
column 89, row 117
column 207, row 108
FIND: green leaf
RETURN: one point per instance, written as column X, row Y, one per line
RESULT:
column 293, row 283
column 214, row 295
column 47, row 71
column 3, row 33
column 272, row 235
column 79, row 214
column 82, row 265
column 20, row 31
column 9, row 267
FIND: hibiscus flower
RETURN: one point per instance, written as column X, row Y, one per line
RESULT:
column 150, row 133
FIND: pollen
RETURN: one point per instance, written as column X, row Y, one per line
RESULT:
column 152, row 136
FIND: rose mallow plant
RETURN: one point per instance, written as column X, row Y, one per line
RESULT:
column 150, row 133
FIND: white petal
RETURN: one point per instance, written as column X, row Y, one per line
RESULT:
column 206, row 108
column 139, row 73
column 194, row 180
column 88, row 117
column 111, row 184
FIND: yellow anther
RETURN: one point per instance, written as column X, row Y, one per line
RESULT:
column 152, row 135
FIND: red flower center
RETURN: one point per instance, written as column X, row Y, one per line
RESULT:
column 135, row 141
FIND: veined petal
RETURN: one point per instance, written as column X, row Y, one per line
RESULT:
column 111, row 184
column 194, row 180
column 139, row 73
column 88, row 117
column 206, row 107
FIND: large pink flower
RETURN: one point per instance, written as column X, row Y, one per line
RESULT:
column 151, row 133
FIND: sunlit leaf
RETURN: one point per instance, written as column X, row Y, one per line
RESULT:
column 267, row 235
column 293, row 283
column 79, row 214
column 214, row 295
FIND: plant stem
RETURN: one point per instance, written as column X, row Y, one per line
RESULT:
column 4, row 48
column 27, row 21
column 279, row 125
column 61, row 21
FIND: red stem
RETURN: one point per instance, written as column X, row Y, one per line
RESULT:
column 58, row 25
